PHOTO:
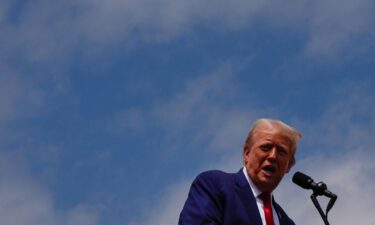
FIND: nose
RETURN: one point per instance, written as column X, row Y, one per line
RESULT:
column 272, row 154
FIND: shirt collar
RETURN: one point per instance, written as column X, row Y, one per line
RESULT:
column 254, row 189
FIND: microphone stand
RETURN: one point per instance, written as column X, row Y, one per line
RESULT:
column 319, row 208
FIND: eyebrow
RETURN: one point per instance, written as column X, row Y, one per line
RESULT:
column 284, row 146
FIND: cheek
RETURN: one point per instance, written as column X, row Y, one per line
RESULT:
column 284, row 165
column 256, row 162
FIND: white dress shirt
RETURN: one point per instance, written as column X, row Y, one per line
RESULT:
column 259, row 201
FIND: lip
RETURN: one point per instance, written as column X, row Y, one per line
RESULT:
column 269, row 170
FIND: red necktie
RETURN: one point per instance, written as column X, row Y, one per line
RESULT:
column 266, row 197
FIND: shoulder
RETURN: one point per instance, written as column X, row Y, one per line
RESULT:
column 215, row 175
column 207, row 198
column 214, row 179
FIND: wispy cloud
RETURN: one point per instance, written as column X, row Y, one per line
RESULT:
column 349, row 121
column 25, row 201
column 349, row 172
column 335, row 25
column 42, row 30
column 17, row 96
column 198, row 110
column 343, row 136
column 350, row 176
column 167, row 210
column 207, row 110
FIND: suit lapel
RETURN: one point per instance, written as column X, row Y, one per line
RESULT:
column 278, row 210
column 247, row 198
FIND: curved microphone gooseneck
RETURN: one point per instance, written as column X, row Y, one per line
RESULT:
column 319, row 189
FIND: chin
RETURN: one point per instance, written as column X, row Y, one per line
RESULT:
column 270, row 185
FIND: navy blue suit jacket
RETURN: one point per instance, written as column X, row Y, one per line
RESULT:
column 219, row 198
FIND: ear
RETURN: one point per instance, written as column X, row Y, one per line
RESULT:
column 245, row 154
column 292, row 162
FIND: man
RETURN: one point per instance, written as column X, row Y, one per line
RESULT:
column 243, row 198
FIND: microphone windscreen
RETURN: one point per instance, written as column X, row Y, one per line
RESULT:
column 302, row 180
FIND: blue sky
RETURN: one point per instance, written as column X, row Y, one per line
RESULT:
column 109, row 109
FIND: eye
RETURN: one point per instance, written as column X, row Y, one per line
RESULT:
column 266, row 147
column 282, row 151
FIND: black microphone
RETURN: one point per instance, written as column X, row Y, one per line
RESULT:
column 307, row 182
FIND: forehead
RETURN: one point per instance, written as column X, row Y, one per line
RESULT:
column 273, row 137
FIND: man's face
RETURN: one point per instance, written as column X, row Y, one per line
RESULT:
column 268, row 159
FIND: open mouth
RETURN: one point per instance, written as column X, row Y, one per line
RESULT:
column 269, row 169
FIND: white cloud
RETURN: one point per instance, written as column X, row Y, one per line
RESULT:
column 82, row 215
column 24, row 94
column 344, row 161
column 348, row 123
column 167, row 210
column 130, row 119
column 42, row 30
column 25, row 201
column 17, row 96
column 348, row 170
column 198, row 110
column 350, row 176
column 48, row 28
column 335, row 24
column 200, row 98
column 159, row 20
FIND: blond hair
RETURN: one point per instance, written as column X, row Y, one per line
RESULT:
column 277, row 126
